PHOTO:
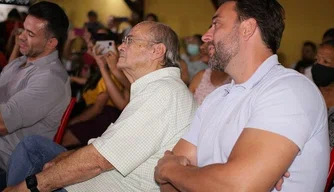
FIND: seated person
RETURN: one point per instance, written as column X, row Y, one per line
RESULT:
column 34, row 88
column 123, row 158
column 103, row 103
column 207, row 80
column 192, row 56
column 267, row 121
column 323, row 77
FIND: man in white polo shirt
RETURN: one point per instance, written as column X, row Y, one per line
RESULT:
column 269, row 120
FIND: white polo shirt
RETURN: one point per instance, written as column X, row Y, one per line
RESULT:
column 274, row 99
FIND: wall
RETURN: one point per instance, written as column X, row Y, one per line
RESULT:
column 77, row 9
column 305, row 19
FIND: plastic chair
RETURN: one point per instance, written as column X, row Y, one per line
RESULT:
column 330, row 173
column 59, row 135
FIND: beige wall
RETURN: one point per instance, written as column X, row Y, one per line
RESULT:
column 305, row 19
column 77, row 9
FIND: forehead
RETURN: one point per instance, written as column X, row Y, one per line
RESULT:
column 140, row 30
column 226, row 12
column 34, row 24
column 326, row 51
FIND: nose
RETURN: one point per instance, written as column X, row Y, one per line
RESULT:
column 121, row 47
column 207, row 37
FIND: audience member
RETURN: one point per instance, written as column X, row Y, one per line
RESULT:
column 105, row 99
column 328, row 35
column 151, row 17
column 207, row 80
column 92, row 24
column 12, row 22
column 323, row 76
column 193, row 57
column 309, row 51
column 123, row 158
column 269, row 120
column 34, row 89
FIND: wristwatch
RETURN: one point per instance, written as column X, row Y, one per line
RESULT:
column 31, row 182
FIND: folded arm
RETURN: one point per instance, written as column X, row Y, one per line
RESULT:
column 257, row 161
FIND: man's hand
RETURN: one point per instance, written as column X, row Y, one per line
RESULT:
column 280, row 182
column 71, row 35
column 112, row 59
column 167, row 163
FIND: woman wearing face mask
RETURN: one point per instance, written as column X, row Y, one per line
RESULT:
column 323, row 77
column 193, row 57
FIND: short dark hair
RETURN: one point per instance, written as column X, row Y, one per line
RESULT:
column 155, row 17
column 269, row 15
column 57, row 21
column 329, row 34
column 311, row 44
column 92, row 13
column 14, row 14
column 329, row 43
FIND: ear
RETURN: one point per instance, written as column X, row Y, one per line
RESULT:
column 248, row 28
column 52, row 43
column 159, row 51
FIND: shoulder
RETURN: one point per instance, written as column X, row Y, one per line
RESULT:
column 288, row 81
column 289, row 91
column 53, row 70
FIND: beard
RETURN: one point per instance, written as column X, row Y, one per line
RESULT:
column 225, row 51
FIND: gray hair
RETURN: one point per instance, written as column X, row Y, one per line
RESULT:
column 162, row 33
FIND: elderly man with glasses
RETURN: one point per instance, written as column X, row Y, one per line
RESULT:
column 123, row 158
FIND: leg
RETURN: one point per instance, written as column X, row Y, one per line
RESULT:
column 29, row 157
column 2, row 180
column 69, row 139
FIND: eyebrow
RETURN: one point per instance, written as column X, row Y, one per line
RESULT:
column 214, row 17
column 30, row 31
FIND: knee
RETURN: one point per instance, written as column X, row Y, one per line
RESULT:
column 32, row 142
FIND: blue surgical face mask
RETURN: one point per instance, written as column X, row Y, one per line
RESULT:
column 193, row 49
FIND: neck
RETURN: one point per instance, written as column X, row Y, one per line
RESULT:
column 218, row 77
column 244, row 65
column 45, row 53
column 134, row 74
column 328, row 93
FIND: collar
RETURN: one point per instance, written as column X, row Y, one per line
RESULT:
column 44, row 60
column 142, row 82
column 263, row 69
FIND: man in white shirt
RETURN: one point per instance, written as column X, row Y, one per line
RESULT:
column 123, row 158
column 269, row 120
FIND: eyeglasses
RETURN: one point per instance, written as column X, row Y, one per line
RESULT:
column 129, row 39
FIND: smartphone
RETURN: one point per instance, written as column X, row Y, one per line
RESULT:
column 79, row 31
column 108, row 45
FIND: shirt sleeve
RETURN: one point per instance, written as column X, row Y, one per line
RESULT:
column 291, row 111
column 28, row 106
column 139, row 131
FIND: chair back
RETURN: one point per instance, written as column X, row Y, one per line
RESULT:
column 59, row 135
